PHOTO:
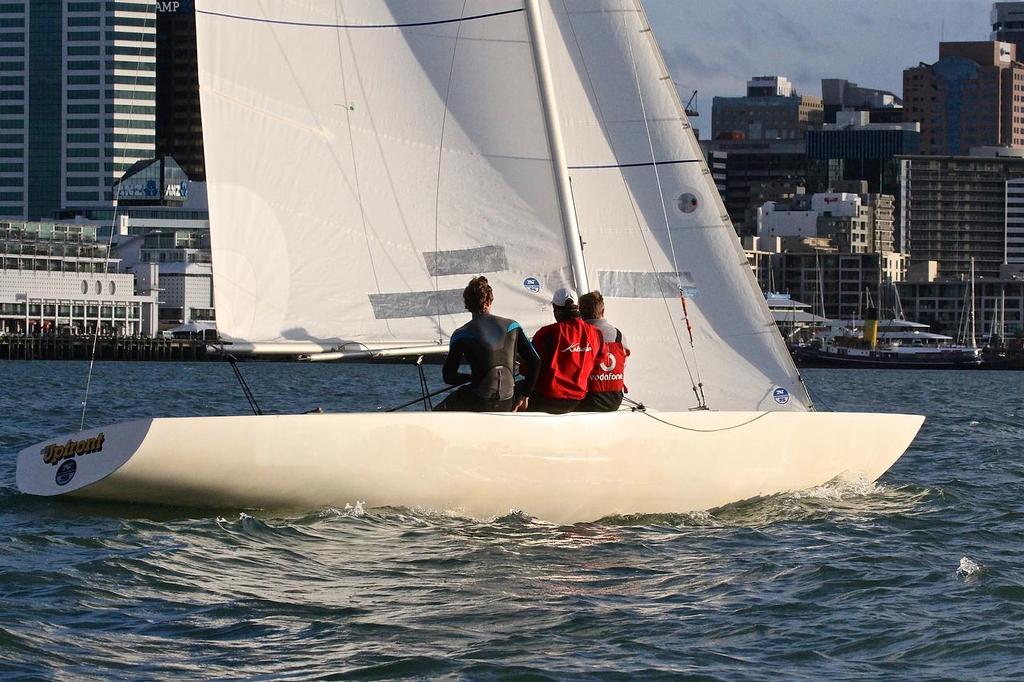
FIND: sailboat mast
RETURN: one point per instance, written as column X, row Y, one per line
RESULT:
column 974, row 341
column 573, row 241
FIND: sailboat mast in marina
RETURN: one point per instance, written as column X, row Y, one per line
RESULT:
column 364, row 159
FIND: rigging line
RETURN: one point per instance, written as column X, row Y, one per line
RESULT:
column 440, row 155
column 352, row 152
column 692, row 430
column 411, row 24
column 249, row 395
column 625, row 187
column 432, row 394
column 699, row 388
column 110, row 238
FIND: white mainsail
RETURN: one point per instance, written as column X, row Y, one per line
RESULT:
column 364, row 159
column 647, row 209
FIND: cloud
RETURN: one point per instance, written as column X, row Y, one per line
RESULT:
column 715, row 46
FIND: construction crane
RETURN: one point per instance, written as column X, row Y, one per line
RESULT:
column 691, row 111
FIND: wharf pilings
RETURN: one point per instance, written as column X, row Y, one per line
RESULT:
column 45, row 347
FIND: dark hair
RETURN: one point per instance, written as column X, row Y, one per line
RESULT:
column 591, row 305
column 569, row 311
column 477, row 295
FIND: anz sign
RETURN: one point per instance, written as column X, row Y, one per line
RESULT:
column 175, row 6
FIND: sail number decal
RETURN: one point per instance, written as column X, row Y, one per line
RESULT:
column 56, row 453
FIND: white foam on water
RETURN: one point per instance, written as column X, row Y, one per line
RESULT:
column 350, row 511
column 974, row 423
column 841, row 489
column 968, row 569
column 242, row 516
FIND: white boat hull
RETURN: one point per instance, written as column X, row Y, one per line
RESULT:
column 568, row 468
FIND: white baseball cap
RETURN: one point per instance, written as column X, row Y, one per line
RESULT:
column 565, row 296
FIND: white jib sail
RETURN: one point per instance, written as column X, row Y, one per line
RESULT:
column 365, row 159
column 652, row 220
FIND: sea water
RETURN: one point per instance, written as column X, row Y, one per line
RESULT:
column 920, row 575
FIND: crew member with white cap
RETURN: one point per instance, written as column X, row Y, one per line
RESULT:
column 568, row 351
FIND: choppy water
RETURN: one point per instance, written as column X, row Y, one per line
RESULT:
column 919, row 576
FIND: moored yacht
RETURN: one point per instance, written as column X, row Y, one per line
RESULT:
column 886, row 343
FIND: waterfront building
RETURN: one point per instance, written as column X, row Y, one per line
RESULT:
column 1008, row 23
column 771, row 110
column 61, row 279
column 973, row 96
column 943, row 304
column 162, row 221
column 955, row 209
column 76, row 101
column 179, row 125
column 746, row 172
column 839, row 95
column 839, row 285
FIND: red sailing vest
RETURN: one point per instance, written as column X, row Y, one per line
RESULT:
column 610, row 371
column 569, row 352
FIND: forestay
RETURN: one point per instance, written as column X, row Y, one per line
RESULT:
column 647, row 210
column 365, row 159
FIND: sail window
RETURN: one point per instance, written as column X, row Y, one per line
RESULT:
column 687, row 203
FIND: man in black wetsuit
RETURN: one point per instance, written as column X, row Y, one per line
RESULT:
column 490, row 345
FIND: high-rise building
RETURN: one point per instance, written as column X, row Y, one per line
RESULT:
column 1008, row 23
column 855, row 150
column 972, row 97
column 955, row 210
column 77, row 101
column 179, row 126
column 1015, row 221
column 771, row 110
column 852, row 223
column 748, row 173
column 838, row 94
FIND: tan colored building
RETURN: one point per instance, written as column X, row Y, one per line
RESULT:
column 973, row 96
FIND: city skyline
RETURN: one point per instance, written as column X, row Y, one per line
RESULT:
column 716, row 47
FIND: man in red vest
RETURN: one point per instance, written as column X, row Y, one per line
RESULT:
column 569, row 350
column 607, row 381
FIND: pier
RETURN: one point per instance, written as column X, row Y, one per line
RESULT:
column 49, row 347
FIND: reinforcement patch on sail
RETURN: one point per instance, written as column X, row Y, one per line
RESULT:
column 466, row 261
column 632, row 284
column 417, row 304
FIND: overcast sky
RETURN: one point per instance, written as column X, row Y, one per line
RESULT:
column 714, row 46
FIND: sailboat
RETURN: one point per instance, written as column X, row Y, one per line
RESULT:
column 364, row 160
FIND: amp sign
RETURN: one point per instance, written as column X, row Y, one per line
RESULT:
column 174, row 6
